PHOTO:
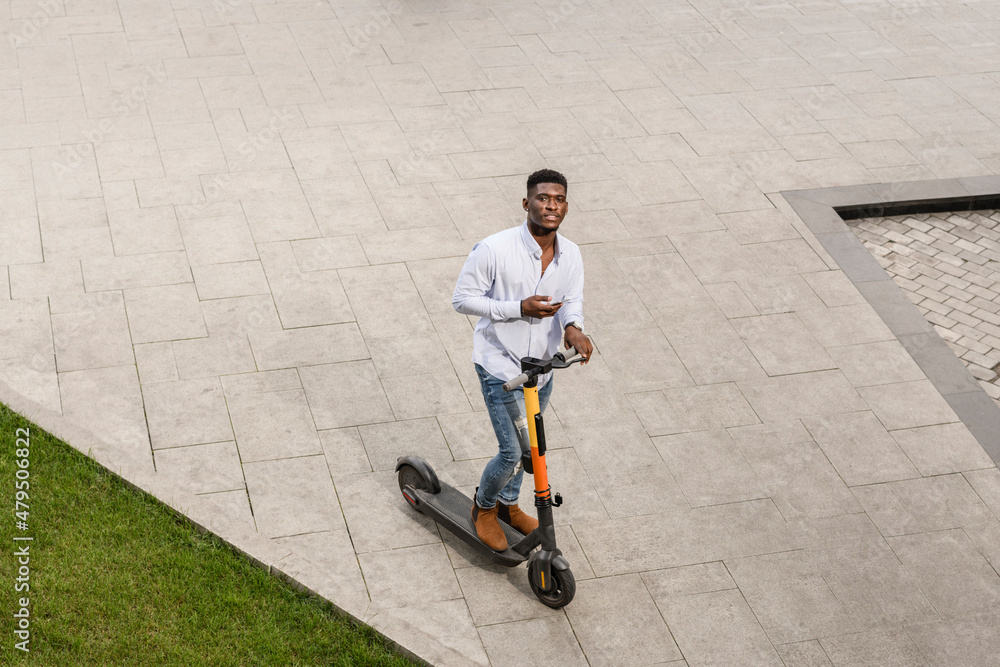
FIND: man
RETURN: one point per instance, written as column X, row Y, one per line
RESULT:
column 526, row 286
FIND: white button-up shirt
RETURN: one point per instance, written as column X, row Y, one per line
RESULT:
column 501, row 271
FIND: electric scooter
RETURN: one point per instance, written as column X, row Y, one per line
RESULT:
column 548, row 571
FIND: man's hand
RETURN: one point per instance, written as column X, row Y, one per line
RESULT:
column 538, row 306
column 576, row 338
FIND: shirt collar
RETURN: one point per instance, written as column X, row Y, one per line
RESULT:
column 532, row 245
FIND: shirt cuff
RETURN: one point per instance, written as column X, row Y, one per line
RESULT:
column 513, row 310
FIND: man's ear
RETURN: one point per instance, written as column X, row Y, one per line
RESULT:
column 524, row 203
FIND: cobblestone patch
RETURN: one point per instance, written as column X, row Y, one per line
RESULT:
column 949, row 266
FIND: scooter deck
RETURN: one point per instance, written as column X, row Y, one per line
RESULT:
column 453, row 510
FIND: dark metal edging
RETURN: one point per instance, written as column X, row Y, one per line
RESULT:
column 824, row 212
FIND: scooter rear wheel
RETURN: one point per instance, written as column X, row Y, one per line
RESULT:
column 410, row 476
column 560, row 593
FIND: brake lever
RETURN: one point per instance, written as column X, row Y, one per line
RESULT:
column 563, row 363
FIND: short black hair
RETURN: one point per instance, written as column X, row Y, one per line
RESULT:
column 546, row 176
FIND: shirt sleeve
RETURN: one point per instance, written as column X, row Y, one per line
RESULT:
column 572, row 310
column 474, row 282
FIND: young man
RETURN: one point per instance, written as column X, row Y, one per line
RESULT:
column 526, row 286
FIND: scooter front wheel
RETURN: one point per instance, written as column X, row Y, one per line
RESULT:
column 561, row 590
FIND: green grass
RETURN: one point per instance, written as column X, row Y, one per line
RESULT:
column 117, row 578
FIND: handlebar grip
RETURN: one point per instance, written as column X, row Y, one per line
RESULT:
column 569, row 353
column 513, row 384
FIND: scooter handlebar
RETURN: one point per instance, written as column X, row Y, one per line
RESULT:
column 513, row 384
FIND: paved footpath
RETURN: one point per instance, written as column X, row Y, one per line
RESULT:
column 229, row 232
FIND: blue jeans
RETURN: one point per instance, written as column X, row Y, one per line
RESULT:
column 506, row 410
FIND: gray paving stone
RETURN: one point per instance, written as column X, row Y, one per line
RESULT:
column 789, row 597
column 273, row 425
column 217, row 240
column 33, row 280
column 648, row 274
column 292, row 496
column 186, row 412
column 717, row 628
column 802, row 395
column 688, row 580
column 845, row 325
column 971, row 640
column 852, row 257
column 987, row 484
column 891, row 403
column 779, row 294
column 660, row 368
column 371, row 502
column 720, row 360
column 794, row 471
column 155, row 362
column 447, row 637
column 942, row 449
column 307, row 346
column 578, row 387
column 609, row 621
column 498, row 594
column 240, row 314
column 93, row 337
column 532, row 641
column 669, row 219
column 258, row 383
column 710, row 406
column 108, row 402
column 426, row 395
column 777, row 258
column 402, row 356
column 469, row 435
column 345, row 453
column 634, row 479
column 147, row 309
column 222, row 281
column 716, row 256
column 387, row 571
column 709, row 468
column 803, row 654
column 868, row 364
column 731, row 300
column 860, row 448
column 834, row 288
column 208, row 468
column 953, row 575
column 875, row 647
column 435, row 281
column 382, row 304
column 875, row 590
column 924, row 505
column 345, row 394
column 751, row 527
column 310, row 299
column 386, row 442
column 147, row 270
column 782, row 344
column 333, row 552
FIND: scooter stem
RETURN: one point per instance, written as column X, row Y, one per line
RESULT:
column 538, row 469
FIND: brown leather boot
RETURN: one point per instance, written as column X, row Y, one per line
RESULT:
column 488, row 528
column 514, row 517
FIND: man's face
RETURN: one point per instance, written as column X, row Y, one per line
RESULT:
column 546, row 206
